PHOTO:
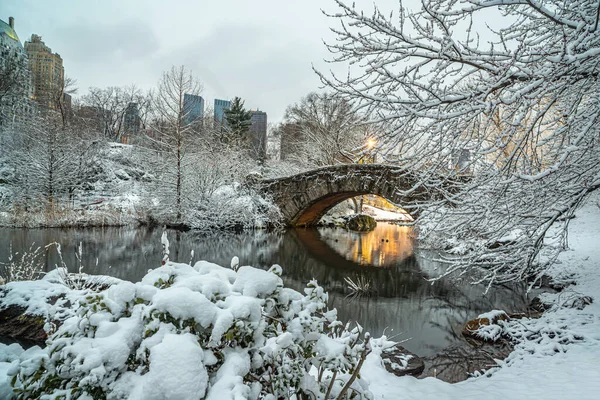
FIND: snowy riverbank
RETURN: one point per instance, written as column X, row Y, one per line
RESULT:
column 556, row 356
column 123, row 190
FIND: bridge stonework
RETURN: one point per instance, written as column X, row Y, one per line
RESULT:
column 304, row 198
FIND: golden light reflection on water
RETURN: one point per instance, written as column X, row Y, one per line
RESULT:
column 383, row 247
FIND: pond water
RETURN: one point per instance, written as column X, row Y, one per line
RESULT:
column 402, row 302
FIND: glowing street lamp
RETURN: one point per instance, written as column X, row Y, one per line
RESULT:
column 370, row 145
column 371, row 142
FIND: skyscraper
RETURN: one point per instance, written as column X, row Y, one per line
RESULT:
column 47, row 71
column 292, row 139
column 258, row 129
column 193, row 107
column 220, row 107
column 131, row 122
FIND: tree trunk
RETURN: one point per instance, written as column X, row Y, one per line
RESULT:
column 178, row 199
column 358, row 204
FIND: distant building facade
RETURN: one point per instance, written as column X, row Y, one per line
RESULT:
column 292, row 139
column 258, row 130
column 15, row 97
column 68, row 102
column 220, row 107
column 47, row 71
column 193, row 107
column 8, row 35
column 131, row 122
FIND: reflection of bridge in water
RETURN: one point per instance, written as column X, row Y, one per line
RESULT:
column 383, row 247
column 402, row 300
column 316, row 258
column 304, row 198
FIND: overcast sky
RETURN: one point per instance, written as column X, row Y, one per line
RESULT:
column 259, row 50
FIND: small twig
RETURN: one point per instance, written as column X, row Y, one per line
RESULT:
column 330, row 385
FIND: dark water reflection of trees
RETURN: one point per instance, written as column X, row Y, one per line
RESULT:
column 403, row 301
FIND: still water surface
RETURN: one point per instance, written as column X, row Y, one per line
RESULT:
column 402, row 303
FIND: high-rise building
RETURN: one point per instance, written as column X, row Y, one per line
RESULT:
column 292, row 139
column 220, row 107
column 16, row 90
column 8, row 36
column 47, row 71
column 131, row 122
column 68, row 102
column 193, row 107
column 258, row 129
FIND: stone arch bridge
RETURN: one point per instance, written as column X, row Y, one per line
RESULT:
column 304, row 198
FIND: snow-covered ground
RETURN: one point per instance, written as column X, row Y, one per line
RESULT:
column 541, row 367
column 385, row 215
column 557, row 356
column 335, row 216
column 113, row 196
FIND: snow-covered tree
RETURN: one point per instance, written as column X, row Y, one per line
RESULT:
column 15, row 83
column 519, row 95
column 323, row 129
column 50, row 161
column 107, row 108
column 14, row 75
column 174, row 133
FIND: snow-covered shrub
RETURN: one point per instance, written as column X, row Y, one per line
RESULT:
column 199, row 332
column 233, row 207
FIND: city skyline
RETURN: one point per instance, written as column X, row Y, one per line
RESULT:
column 253, row 54
column 48, row 73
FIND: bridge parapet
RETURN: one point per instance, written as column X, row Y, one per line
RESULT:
column 304, row 198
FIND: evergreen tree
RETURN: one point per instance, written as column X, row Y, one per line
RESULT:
column 238, row 123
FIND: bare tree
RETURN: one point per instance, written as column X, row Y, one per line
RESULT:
column 60, row 94
column 326, row 130
column 521, row 98
column 175, row 131
column 50, row 160
column 108, row 108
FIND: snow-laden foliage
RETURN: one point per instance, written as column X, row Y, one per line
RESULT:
column 198, row 332
column 513, row 104
column 233, row 207
column 60, row 170
column 108, row 108
column 322, row 129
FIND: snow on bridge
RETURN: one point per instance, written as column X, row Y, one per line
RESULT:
column 304, row 198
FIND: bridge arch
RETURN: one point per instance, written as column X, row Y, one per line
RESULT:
column 304, row 198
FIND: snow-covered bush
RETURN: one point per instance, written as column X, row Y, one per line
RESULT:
column 233, row 207
column 199, row 332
